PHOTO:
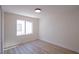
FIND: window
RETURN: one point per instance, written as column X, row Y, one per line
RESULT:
column 24, row 27
column 28, row 27
column 20, row 27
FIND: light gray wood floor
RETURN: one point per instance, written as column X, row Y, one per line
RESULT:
column 38, row 47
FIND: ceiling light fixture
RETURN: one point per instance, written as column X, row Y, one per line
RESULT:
column 37, row 10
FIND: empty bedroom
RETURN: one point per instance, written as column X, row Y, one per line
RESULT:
column 40, row 29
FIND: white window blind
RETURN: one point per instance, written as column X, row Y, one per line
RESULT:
column 29, row 27
column 24, row 27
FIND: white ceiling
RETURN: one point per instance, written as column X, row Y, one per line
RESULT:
column 47, row 10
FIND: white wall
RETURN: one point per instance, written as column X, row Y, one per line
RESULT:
column 61, row 29
column 10, row 30
column 0, row 29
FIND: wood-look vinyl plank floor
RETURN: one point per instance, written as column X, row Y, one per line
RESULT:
column 38, row 47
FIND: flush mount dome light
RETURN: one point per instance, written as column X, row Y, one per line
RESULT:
column 37, row 10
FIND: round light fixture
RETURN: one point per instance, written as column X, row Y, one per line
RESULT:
column 37, row 10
